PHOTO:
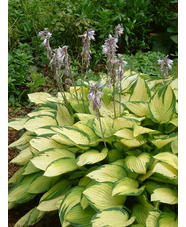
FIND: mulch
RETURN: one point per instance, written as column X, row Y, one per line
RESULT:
column 16, row 213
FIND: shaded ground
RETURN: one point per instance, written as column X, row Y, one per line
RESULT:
column 16, row 213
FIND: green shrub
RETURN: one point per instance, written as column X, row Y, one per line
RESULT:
column 130, row 182
column 18, row 70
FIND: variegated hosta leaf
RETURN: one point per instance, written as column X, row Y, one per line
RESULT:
column 165, row 194
column 37, row 122
column 174, row 146
column 41, row 184
column 108, row 110
column 168, row 158
column 140, row 212
column 161, row 141
column 127, row 186
column 22, row 141
column 127, row 82
column 107, row 126
column 138, row 108
column 42, row 143
column 84, row 116
column 108, row 173
column 168, row 219
column 139, row 130
column 166, row 171
column 78, row 216
column 23, row 157
column 72, row 198
column 138, row 164
column 107, row 95
column 44, row 158
column 60, row 166
column 76, row 136
column 63, row 116
column 137, row 94
column 91, row 157
column 17, row 123
column 39, row 97
column 74, row 103
column 30, row 168
column 100, row 196
column 111, row 218
column 16, row 177
column 152, row 218
column 53, row 195
column 30, row 218
column 19, row 194
column 162, row 105
column 127, row 138
column 124, row 122
column 93, row 137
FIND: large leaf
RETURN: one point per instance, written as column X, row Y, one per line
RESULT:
column 63, row 116
column 127, row 138
column 161, row 141
column 165, row 194
column 127, row 186
column 108, row 110
column 138, row 164
column 76, row 136
column 78, row 216
column 124, row 122
column 91, row 157
column 30, row 218
column 17, row 123
column 41, row 184
column 128, row 81
column 39, row 97
column 152, row 218
column 23, row 157
column 138, row 108
column 37, row 122
column 72, row 198
column 112, row 217
column 137, row 94
column 100, row 196
column 167, row 219
column 140, row 212
column 19, row 194
column 53, row 195
column 44, row 158
column 23, row 141
column 42, row 143
column 60, row 166
column 107, row 127
column 168, row 158
column 139, row 130
column 107, row 173
column 162, row 105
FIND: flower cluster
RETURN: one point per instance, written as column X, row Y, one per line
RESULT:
column 121, row 64
column 87, row 37
column 165, row 64
column 45, row 36
column 94, row 95
column 109, row 49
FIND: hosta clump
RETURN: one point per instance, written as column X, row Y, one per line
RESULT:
column 130, row 182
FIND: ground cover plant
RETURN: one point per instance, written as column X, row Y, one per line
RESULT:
column 101, row 153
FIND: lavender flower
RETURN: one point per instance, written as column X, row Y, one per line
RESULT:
column 118, row 31
column 94, row 96
column 45, row 36
column 165, row 64
column 87, row 37
column 121, row 64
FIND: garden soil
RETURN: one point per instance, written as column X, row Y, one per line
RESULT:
column 16, row 213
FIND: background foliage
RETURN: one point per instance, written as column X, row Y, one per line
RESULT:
column 148, row 26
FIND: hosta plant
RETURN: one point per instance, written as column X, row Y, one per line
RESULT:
column 132, row 181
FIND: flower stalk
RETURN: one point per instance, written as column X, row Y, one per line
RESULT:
column 94, row 96
column 165, row 65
